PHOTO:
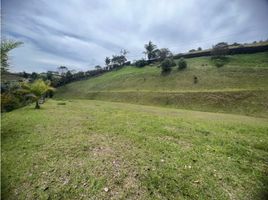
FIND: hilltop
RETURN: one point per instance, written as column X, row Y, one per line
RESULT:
column 241, row 86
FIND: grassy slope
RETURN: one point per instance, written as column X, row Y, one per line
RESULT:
column 10, row 77
column 239, row 87
column 73, row 151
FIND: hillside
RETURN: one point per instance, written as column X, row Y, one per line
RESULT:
column 10, row 77
column 241, row 86
column 81, row 149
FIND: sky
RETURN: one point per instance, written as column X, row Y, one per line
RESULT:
column 79, row 34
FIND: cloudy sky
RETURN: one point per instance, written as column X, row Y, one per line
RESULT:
column 79, row 34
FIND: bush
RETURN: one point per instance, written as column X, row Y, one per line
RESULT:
column 182, row 64
column 9, row 102
column 218, row 62
column 140, row 63
column 167, row 64
column 62, row 103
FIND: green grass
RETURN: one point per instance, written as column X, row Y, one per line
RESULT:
column 244, row 76
column 10, row 77
column 74, row 149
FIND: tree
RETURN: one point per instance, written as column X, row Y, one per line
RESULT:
column 97, row 67
column 49, row 76
column 124, row 52
column 167, row 64
column 6, row 47
column 36, row 90
column 25, row 75
column 192, row 50
column 34, row 76
column 140, row 63
column 150, row 50
column 107, row 61
column 68, row 76
column 62, row 70
column 199, row 49
column 220, row 50
column 163, row 53
column 119, row 60
column 182, row 64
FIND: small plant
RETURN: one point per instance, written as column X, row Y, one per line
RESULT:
column 167, row 64
column 182, row 64
column 219, row 62
column 195, row 80
column 62, row 103
column 36, row 90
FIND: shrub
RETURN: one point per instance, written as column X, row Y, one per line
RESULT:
column 62, row 103
column 182, row 64
column 140, row 63
column 9, row 102
column 195, row 80
column 218, row 62
column 167, row 64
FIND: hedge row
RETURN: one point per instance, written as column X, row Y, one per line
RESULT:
column 232, row 51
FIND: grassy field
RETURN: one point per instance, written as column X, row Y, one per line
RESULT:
column 77, row 149
column 241, row 86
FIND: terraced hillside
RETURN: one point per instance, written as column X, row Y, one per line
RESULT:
column 241, row 86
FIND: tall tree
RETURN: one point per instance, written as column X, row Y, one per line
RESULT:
column 124, row 52
column 107, row 61
column 150, row 50
column 6, row 46
column 62, row 70
column 163, row 53
column 97, row 67
column 119, row 60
